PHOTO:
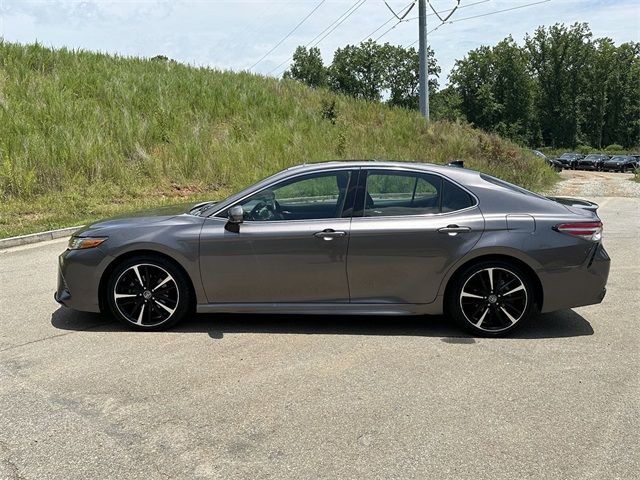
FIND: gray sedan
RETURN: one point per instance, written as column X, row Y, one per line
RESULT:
column 361, row 237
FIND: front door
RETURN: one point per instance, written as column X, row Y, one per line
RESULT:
column 406, row 232
column 291, row 247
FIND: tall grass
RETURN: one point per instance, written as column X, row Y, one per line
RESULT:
column 72, row 120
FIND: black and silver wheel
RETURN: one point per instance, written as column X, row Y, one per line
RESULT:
column 491, row 298
column 148, row 293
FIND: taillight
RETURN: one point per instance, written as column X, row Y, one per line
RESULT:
column 587, row 230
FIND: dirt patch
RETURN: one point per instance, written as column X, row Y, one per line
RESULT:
column 578, row 183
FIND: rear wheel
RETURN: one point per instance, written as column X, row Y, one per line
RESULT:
column 491, row 298
column 148, row 293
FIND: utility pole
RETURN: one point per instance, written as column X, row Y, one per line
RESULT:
column 424, row 66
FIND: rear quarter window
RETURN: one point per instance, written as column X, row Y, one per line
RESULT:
column 455, row 198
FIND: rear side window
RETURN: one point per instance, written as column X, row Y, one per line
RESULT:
column 394, row 193
column 398, row 193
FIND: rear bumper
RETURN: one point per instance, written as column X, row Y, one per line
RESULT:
column 576, row 286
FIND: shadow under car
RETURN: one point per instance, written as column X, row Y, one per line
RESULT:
column 561, row 324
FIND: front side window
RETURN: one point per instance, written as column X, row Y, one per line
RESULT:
column 314, row 196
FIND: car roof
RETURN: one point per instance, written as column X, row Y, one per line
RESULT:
column 433, row 167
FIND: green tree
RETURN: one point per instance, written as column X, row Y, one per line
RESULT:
column 622, row 115
column 513, row 90
column 308, row 67
column 473, row 80
column 403, row 75
column 558, row 56
column 446, row 104
column 360, row 70
column 593, row 97
column 496, row 90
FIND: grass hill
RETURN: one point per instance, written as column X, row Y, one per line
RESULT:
column 85, row 135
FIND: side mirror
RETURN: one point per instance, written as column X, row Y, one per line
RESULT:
column 236, row 214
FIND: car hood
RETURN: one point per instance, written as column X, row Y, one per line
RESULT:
column 142, row 217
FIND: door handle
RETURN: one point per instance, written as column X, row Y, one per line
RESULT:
column 453, row 230
column 329, row 234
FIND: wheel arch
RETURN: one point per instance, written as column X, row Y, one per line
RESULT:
column 104, row 278
column 504, row 257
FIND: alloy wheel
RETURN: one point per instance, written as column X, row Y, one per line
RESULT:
column 146, row 295
column 494, row 299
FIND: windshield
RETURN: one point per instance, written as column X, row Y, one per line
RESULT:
column 569, row 156
column 619, row 158
column 592, row 157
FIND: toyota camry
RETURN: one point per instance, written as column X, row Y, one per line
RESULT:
column 362, row 237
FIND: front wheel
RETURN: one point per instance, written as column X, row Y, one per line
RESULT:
column 148, row 293
column 491, row 298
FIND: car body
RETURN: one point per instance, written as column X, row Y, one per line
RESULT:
column 620, row 163
column 357, row 237
column 569, row 160
column 552, row 162
column 593, row 161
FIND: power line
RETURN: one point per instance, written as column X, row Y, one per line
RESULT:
column 288, row 34
column 410, row 4
column 451, row 12
column 335, row 24
column 414, row 18
column 466, row 5
column 400, row 17
column 483, row 15
column 340, row 23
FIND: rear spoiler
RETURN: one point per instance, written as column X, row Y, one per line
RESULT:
column 576, row 202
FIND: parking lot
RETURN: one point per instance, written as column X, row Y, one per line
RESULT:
column 229, row 396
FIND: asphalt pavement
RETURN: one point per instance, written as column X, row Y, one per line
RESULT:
column 276, row 397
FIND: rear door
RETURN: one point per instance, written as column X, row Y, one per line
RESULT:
column 408, row 228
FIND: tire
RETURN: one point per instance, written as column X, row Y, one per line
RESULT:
column 148, row 293
column 487, row 312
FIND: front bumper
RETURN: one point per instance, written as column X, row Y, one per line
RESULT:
column 576, row 286
column 79, row 273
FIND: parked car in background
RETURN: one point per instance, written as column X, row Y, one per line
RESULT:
column 384, row 238
column 552, row 162
column 620, row 163
column 593, row 161
column 569, row 159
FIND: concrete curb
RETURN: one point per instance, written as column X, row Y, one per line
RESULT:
column 37, row 237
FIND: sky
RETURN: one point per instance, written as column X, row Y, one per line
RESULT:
column 234, row 35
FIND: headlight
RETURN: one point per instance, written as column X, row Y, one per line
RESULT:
column 81, row 243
